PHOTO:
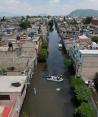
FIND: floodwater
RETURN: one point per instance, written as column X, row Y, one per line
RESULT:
column 47, row 98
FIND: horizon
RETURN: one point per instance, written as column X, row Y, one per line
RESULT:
column 49, row 7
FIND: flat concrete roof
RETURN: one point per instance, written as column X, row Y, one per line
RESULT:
column 3, row 48
column 89, row 51
column 83, row 37
column 5, row 84
column 36, row 38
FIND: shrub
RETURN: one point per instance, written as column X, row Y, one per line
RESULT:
column 76, row 82
column 50, row 24
column 45, row 45
column 25, row 24
column 25, row 114
column 42, row 55
column 82, row 92
column 84, row 110
column 68, row 62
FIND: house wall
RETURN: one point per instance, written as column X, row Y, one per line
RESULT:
column 89, row 67
column 21, row 62
column 75, row 55
column 18, row 105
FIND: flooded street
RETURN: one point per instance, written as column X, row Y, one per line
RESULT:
column 43, row 100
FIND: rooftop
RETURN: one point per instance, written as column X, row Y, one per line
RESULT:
column 6, row 81
column 83, row 37
column 89, row 51
column 5, row 110
column 4, row 49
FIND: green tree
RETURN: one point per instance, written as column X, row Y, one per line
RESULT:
column 3, row 19
column 82, row 92
column 22, row 18
column 45, row 44
column 25, row 114
column 76, row 82
column 50, row 24
column 87, row 20
column 24, row 24
column 68, row 62
column 84, row 110
column 42, row 55
column 27, row 17
column 0, row 39
column 73, row 22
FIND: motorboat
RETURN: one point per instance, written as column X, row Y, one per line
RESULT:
column 60, row 45
column 55, row 78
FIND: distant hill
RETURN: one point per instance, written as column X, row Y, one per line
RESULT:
column 84, row 12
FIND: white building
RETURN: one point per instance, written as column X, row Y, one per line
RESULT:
column 12, row 94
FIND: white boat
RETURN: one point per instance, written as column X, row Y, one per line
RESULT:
column 55, row 78
column 60, row 45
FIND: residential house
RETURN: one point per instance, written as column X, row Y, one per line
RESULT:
column 12, row 95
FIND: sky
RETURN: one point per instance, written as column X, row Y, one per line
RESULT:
column 47, row 7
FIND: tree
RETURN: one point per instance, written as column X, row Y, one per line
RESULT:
column 73, row 22
column 24, row 24
column 25, row 114
column 76, row 82
column 22, row 18
column 84, row 110
column 27, row 17
column 50, row 24
column 3, row 19
column 87, row 20
column 82, row 93
column 0, row 39
column 42, row 55
column 45, row 44
column 68, row 62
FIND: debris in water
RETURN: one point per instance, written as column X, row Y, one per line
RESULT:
column 58, row 89
column 35, row 91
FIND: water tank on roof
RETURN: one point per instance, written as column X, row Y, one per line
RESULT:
column 16, row 84
column 94, row 45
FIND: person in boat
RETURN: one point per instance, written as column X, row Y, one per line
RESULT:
column 58, row 77
column 49, row 76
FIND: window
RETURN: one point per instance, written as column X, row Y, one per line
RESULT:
column 4, row 97
column 11, row 68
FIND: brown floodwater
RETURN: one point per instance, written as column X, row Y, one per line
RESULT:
column 48, row 102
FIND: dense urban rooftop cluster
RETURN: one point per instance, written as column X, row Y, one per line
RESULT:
column 80, row 37
column 20, row 42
